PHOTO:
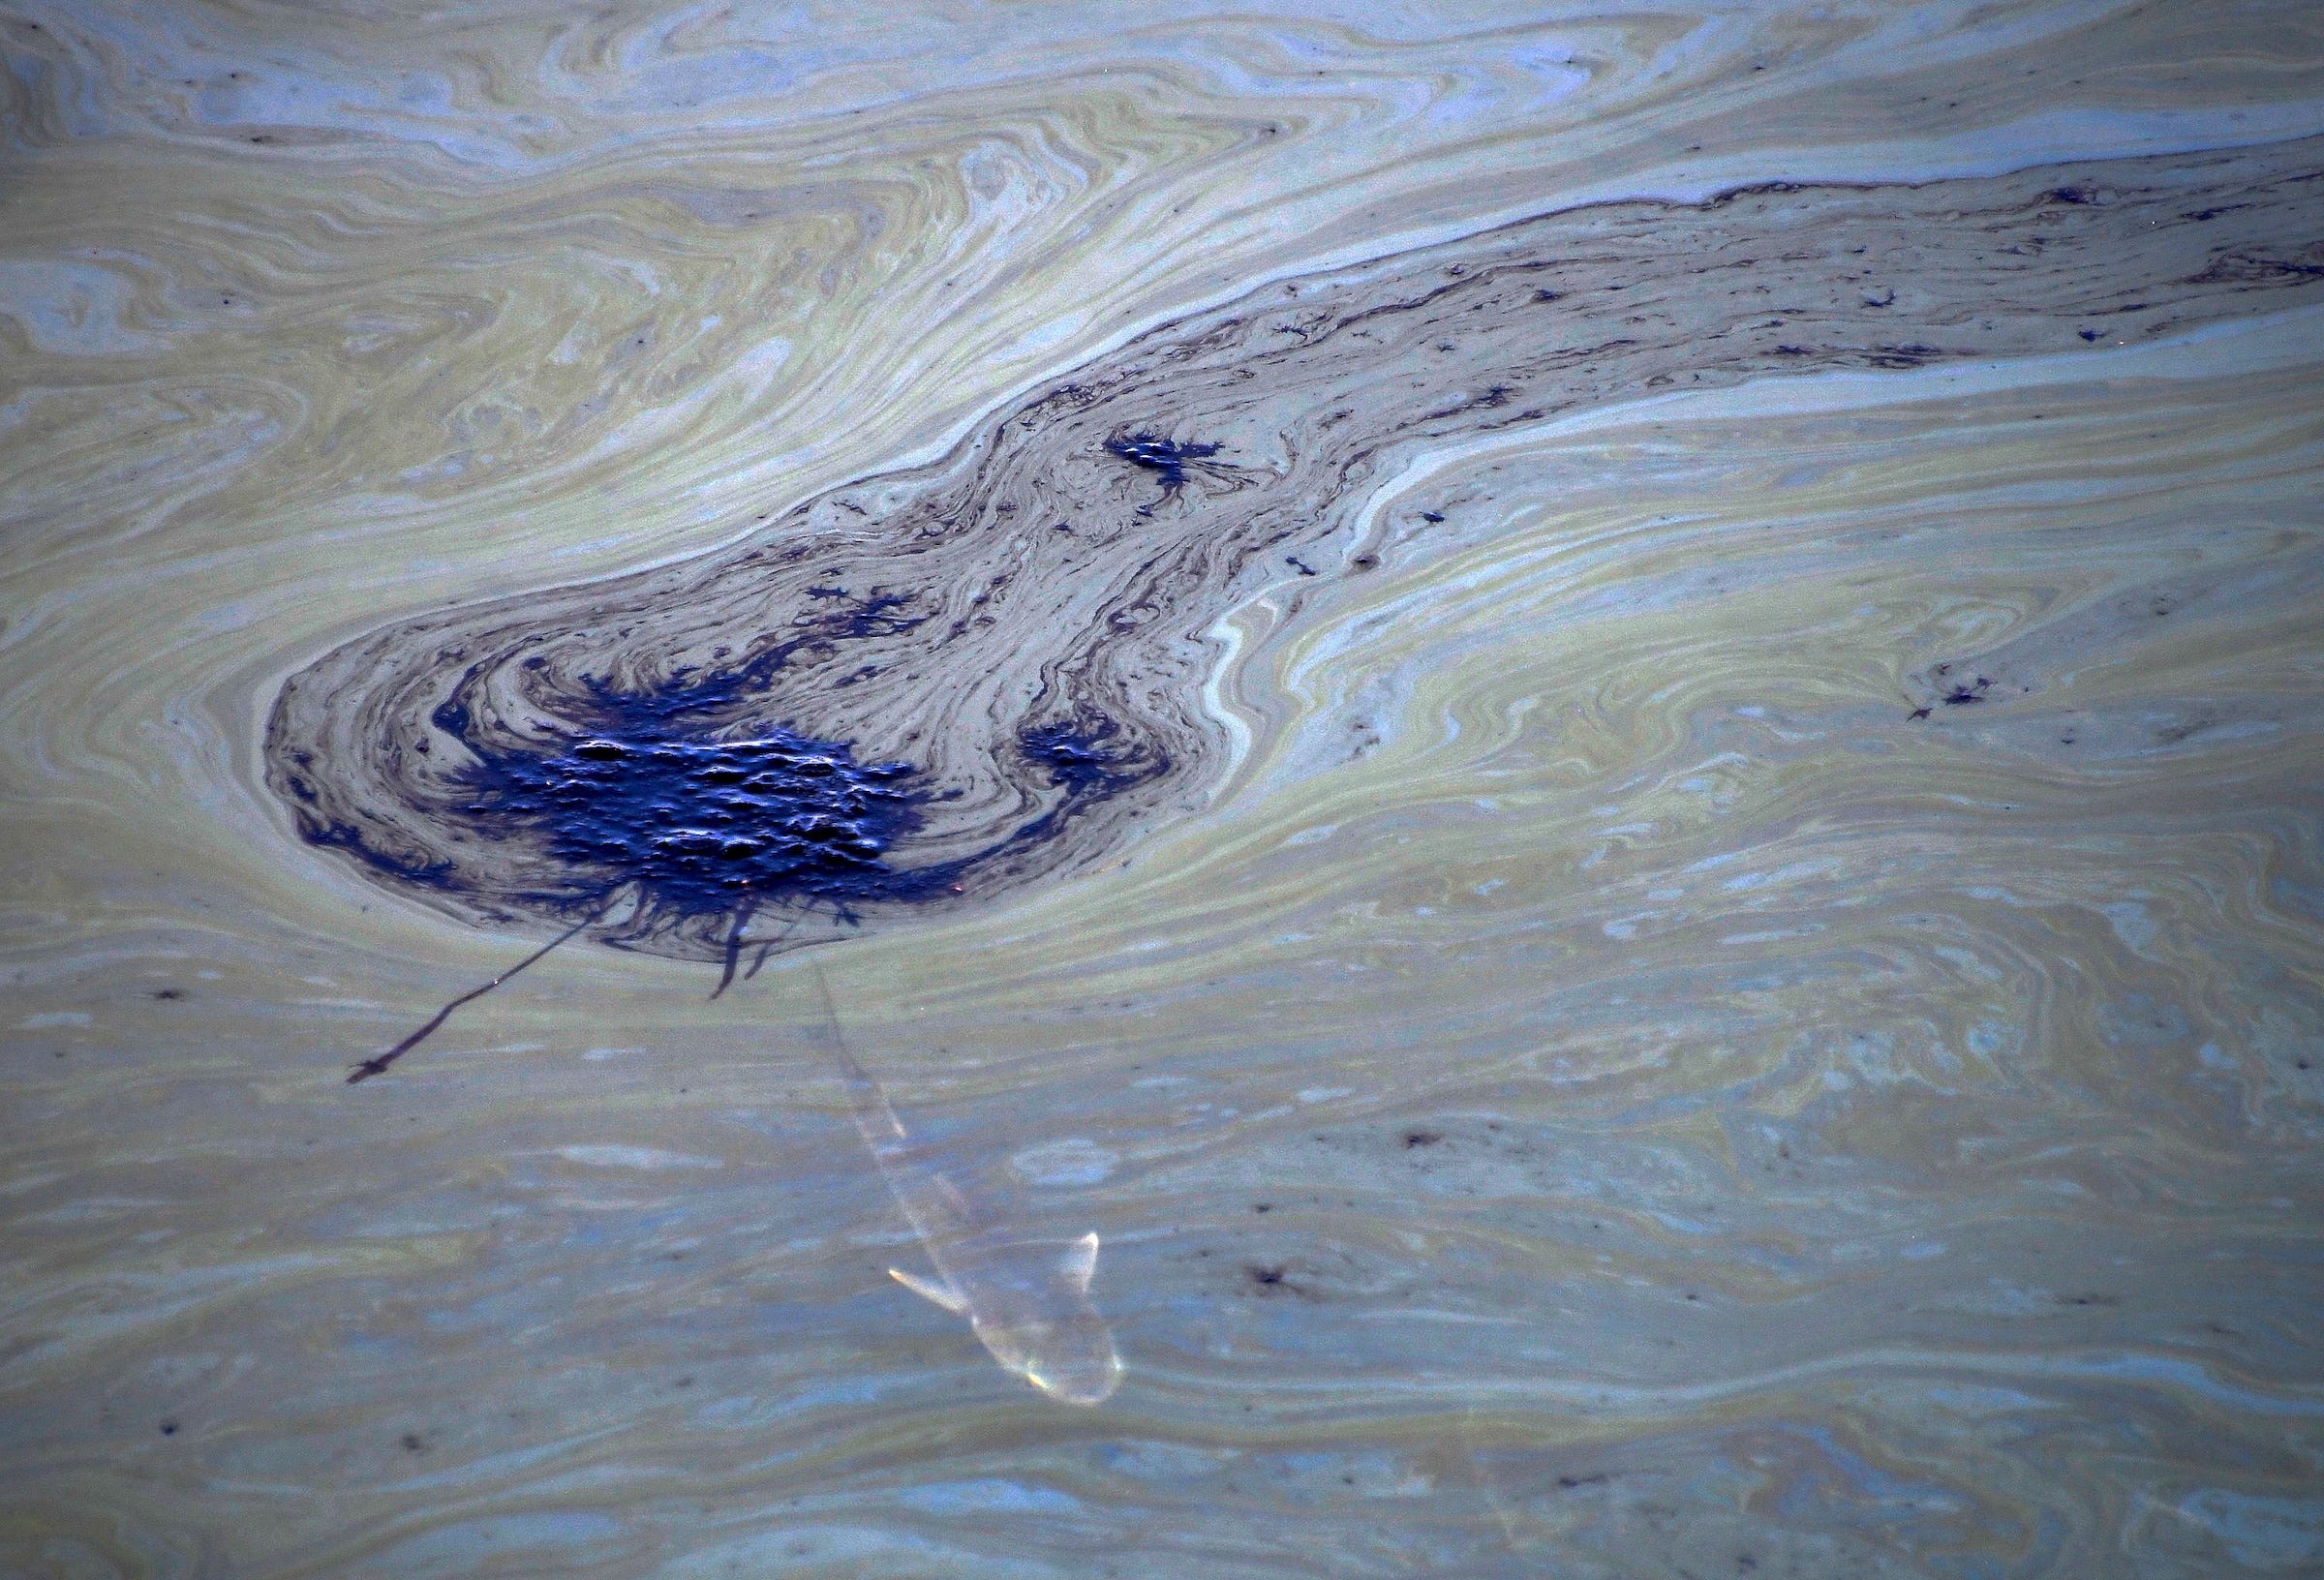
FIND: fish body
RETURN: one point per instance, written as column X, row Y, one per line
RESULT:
column 1027, row 1301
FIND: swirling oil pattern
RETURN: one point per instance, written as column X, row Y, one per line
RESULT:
column 1027, row 617
column 1598, row 725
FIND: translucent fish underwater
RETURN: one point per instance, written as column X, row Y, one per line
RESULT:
column 1026, row 1300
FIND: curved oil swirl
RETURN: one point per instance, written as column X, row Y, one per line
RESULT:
column 936, row 686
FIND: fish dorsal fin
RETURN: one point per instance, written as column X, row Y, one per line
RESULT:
column 1078, row 1263
column 942, row 1295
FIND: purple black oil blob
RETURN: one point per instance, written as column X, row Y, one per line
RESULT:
column 650, row 799
column 1166, row 458
column 655, row 797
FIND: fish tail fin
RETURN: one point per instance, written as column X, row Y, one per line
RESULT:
column 942, row 1294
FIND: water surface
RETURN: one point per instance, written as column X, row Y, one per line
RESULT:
column 1742, row 998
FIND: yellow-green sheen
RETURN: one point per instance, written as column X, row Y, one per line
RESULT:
column 1574, row 1077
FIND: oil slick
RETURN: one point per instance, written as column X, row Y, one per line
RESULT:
column 921, row 691
column 1026, row 1301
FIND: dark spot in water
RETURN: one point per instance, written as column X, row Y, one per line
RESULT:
column 653, row 798
column 697, row 825
column 1084, row 760
column 1165, row 457
column 1423, row 1137
column 414, row 1443
column 2070, row 194
column 674, row 796
column 169, row 1429
column 168, row 992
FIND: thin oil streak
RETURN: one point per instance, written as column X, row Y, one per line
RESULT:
column 378, row 1063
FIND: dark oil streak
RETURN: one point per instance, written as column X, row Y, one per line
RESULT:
column 378, row 1063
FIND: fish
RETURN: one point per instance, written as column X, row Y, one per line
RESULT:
column 1027, row 1301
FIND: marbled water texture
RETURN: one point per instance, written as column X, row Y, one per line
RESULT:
column 1709, row 969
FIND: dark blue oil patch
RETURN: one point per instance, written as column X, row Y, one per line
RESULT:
column 702, row 827
column 1084, row 761
column 659, row 796
column 1163, row 456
